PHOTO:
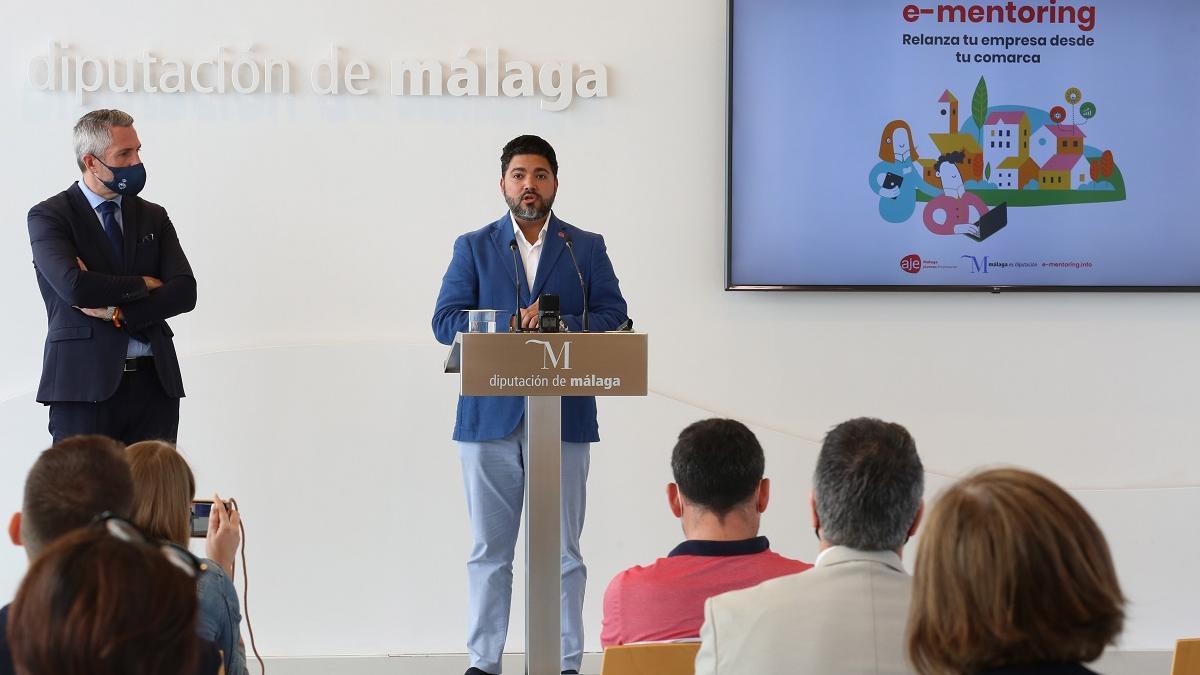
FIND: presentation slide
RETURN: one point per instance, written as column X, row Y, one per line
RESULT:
column 1038, row 143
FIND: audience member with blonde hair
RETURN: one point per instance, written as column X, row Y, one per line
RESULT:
column 1012, row 577
column 164, row 487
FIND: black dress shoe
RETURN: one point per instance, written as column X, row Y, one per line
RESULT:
column 570, row 672
column 475, row 671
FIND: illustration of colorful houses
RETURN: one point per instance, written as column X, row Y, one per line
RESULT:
column 953, row 140
column 1006, row 147
column 1066, row 168
column 1007, row 153
column 1055, row 139
column 1014, row 173
column 1064, row 171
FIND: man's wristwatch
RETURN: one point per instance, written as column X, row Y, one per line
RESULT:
column 108, row 313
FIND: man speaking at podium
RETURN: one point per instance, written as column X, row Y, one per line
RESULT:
column 510, row 263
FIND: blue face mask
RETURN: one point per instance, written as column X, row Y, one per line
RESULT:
column 126, row 180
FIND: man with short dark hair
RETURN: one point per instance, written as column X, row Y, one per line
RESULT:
column 955, row 211
column 111, row 272
column 848, row 614
column 719, row 495
column 490, row 429
column 69, row 485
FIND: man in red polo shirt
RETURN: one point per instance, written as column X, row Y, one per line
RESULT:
column 719, row 494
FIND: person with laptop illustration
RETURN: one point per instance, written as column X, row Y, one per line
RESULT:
column 957, row 211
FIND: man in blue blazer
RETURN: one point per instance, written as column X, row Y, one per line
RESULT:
column 111, row 271
column 489, row 429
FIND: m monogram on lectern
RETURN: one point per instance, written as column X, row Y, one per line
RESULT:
column 551, row 358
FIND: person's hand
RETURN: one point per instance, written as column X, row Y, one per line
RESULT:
column 224, row 535
column 79, row 262
column 529, row 316
column 967, row 228
column 95, row 312
column 889, row 193
column 152, row 283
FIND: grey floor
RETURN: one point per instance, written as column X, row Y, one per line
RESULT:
column 1112, row 663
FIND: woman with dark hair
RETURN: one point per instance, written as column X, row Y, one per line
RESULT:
column 163, row 489
column 105, row 601
column 1012, row 577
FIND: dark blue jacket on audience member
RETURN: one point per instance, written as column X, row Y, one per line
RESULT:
column 6, row 664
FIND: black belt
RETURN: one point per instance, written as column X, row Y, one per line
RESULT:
column 139, row 363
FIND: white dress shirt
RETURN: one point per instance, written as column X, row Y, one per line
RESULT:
column 136, row 347
column 530, row 253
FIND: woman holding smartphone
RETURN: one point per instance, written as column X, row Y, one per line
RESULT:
column 164, row 487
column 897, row 176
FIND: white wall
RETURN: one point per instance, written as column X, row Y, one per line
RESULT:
column 319, row 228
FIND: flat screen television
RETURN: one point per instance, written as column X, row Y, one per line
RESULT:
column 909, row 144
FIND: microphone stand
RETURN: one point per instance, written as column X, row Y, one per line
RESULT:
column 582, row 286
column 512, row 246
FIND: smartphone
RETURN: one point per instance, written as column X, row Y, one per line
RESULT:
column 891, row 180
column 201, row 510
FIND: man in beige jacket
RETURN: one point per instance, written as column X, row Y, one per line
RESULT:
column 847, row 615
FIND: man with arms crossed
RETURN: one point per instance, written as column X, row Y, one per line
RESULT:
column 719, row 495
column 111, row 272
column 490, row 430
column 847, row 614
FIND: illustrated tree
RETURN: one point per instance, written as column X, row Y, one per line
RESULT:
column 987, row 172
column 1106, row 164
column 1094, row 169
column 979, row 107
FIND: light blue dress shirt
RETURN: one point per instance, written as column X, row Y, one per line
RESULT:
column 136, row 347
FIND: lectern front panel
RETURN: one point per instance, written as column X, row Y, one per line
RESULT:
column 554, row 364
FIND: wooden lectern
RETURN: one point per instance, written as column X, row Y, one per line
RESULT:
column 544, row 367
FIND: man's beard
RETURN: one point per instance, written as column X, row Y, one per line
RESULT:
column 530, row 212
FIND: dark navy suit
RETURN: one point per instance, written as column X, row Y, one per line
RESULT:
column 83, row 365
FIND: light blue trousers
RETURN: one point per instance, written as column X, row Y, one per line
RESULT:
column 494, row 478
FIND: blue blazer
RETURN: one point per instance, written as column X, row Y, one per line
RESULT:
column 84, row 358
column 480, row 276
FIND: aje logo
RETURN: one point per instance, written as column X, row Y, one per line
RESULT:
column 550, row 359
column 911, row 263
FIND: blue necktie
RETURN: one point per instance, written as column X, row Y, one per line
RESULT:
column 108, row 210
